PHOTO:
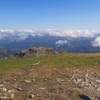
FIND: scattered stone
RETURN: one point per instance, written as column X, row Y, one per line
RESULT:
column 4, row 82
column 3, row 98
column 59, row 80
column 20, row 89
column 33, row 80
column 28, row 81
column 91, row 83
column 98, row 81
column 28, row 87
column 32, row 96
column 10, row 91
column 42, row 88
column 77, row 80
column 12, row 96
column 98, row 89
column 14, row 79
column 46, row 79
column 93, row 98
column 86, row 75
column 4, row 89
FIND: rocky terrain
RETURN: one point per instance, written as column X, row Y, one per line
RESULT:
column 50, row 84
column 63, row 76
column 36, row 51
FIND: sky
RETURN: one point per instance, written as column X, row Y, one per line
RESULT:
column 50, row 14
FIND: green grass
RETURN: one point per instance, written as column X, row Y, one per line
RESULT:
column 58, row 60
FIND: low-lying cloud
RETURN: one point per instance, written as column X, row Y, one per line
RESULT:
column 61, row 42
column 96, row 42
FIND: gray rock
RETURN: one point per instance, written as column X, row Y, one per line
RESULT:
column 15, row 79
column 4, row 82
column 98, row 81
column 77, row 80
column 12, row 95
column 86, row 75
column 10, row 91
column 32, row 96
column 42, row 88
column 20, row 89
column 33, row 80
column 4, row 89
column 98, row 89
column 3, row 98
column 28, row 81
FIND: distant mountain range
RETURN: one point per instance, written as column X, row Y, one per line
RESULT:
column 81, row 41
column 6, row 53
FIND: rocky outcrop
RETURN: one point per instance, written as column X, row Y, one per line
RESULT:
column 36, row 51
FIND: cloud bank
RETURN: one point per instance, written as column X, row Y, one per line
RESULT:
column 73, row 33
column 23, row 34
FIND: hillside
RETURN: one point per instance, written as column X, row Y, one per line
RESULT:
column 65, row 76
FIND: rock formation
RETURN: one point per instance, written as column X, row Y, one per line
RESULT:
column 36, row 51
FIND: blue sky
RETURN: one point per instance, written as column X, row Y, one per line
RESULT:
column 50, row 14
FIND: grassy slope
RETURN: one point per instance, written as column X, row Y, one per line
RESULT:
column 58, row 60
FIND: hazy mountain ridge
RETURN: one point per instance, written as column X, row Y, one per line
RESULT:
column 5, row 53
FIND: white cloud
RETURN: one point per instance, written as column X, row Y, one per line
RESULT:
column 96, row 42
column 53, row 32
column 26, row 31
column 72, row 33
column 79, row 33
column 23, row 34
column 16, row 34
column 6, row 31
column 61, row 42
